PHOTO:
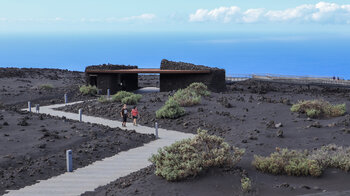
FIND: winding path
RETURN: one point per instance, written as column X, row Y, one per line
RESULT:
column 104, row 171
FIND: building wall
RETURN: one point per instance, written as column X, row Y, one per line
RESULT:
column 113, row 82
column 214, row 80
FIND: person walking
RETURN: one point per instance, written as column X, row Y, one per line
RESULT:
column 124, row 114
column 135, row 115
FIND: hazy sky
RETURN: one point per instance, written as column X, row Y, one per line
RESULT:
column 181, row 15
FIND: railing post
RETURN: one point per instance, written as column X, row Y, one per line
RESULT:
column 65, row 98
column 29, row 106
column 69, row 160
column 80, row 115
column 156, row 129
column 37, row 108
column 108, row 94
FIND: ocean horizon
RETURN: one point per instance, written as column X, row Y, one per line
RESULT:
column 238, row 53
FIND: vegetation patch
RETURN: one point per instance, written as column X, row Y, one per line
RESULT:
column 183, row 98
column 132, row 99
column 191, row 156
column 171, row 110
column 290, row 162
column 333, row 156
column 319, row 108
column 88, row 90
column 246, row 184
column 199, row 88
column 304, row 163
column 186, row 97
column 46, row 87
column 121, row 95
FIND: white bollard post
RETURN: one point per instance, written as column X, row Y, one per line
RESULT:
column 65, row 98
column 80, row 115
column 37, row 108
column 69, row 160
column 108, row 94
column 156, row 126
column 29, row 106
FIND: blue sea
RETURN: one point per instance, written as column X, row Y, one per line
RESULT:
column 239, row 53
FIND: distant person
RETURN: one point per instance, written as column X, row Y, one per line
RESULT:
column 135, row 115
column 124, row 115
column 333, row 77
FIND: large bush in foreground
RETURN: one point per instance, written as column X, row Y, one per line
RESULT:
column 291, row 162
column 171, row 109
column 191, row 156
column 319, row 108
column 88, row 90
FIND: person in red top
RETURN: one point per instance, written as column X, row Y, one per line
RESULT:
column 135, row 115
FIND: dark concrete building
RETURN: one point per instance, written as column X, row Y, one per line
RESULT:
column 173, row 76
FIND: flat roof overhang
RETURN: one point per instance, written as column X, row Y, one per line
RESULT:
column 160, row 71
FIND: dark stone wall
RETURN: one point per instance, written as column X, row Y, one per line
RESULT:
column 215, row 80
column 110, row 67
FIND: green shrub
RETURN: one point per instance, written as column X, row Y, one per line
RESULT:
column 186, row 97
column 199, row 88
column 46, row 87
column 88, row 90
column 333, row 156
column 132, row 99
column 121, row 95
column 313, row 113
column 171, row 109
column 246, row 184
column 102, row 99
column 191, row 156
column 291, row 162
column 319, row 108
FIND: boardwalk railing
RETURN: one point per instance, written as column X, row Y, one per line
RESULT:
column 312, row 80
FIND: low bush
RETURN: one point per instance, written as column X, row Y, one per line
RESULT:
column 121, row 95
column 102, row 99
column 88, row 90
column 333, row 156
column 185, row 97
column 319, row 108
column 191, row 156
column 132, row 99
column 199, row 88
column 246, row 184
column 171, row 109
column 46, row 87
column 291, row 162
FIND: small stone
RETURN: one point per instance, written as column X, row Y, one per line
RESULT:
column 42, row 146
column 6, row 135
column 309, row 119
column 305, row 187
column 279, row 133
column 278, row 125
column 6, row 123
column 244, row 141
column 316, row 138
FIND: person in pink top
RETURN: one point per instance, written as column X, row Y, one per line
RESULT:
column 135, row 115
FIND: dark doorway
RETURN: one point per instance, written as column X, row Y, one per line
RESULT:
column 93, row 80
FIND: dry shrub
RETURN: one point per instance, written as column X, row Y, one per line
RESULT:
column 132, row 99
column 191, row 156
column 186, row 97
column 88, row 90
column 333, row 156
column 246, row 184
column 121, row 95
column 319, row 108
column 291, row 162
column 46, row 87
column 171, row 110
column 199, row 88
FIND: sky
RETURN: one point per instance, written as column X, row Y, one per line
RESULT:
column 79, row 16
